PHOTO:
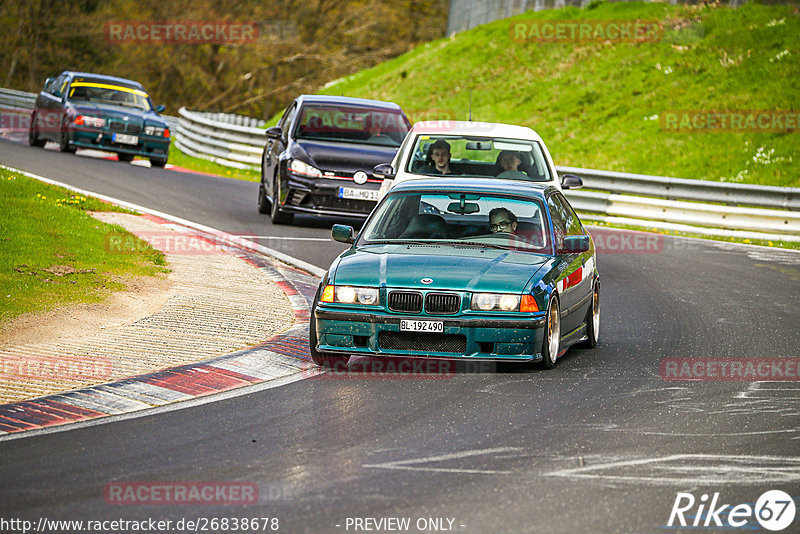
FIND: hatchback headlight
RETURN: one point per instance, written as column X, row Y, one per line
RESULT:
column 503, row 302
column 301, row 167
column 367, row 296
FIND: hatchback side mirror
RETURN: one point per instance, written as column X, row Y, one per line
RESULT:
column 342, row 233
column 274, row 132
column 385, row 171
column 570, row 181
column 160, row 108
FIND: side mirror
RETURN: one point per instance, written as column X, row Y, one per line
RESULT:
column 274, row 132
column 576, row 244
column 48, row 81
column 160, row 108
column 342, row 233
column 570, row 181
column 383, row 171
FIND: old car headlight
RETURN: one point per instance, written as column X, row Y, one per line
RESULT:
column 155, row 130
column 87, row 120
column 301, row 167
column 503, row 302
column 367, row 296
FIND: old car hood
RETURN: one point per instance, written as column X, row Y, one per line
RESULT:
column 449, row 267
column 125, row 113
column 346, row 157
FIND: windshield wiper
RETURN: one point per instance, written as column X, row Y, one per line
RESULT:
column 479, row 244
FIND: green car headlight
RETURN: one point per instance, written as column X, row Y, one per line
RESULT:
column 367, row 296
column 503, row 302
column 154, row 130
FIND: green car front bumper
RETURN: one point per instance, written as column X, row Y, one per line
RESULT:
column 473, row 337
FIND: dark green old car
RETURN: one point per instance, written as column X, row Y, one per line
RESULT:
column 464, row 268
column 82, row 110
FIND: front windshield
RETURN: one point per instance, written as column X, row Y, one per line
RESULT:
column 352, row 125
column 107, row 93
column 520, row 159
column 459, row 218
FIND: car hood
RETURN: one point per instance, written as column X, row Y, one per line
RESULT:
column 449, row 268
column 345, row 157
column 116, row 112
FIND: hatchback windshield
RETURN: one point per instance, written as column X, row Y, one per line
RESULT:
column 520, row 159
column 353, row 125
column 106, row 93
column 461, row 218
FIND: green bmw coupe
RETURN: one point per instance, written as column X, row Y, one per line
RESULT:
column 463, row 269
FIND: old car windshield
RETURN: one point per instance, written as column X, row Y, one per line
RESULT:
column 384, row 127
column 459, row 218
column 520, row 159
column 105, row 93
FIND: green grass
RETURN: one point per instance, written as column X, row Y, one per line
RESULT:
column 176, row 157
column 53, row 253
column 599, row 105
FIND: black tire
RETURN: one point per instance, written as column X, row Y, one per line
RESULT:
column 125, row 157
column 277, row 216
column 322, row 359
column 263, row 202
column 592, row 321
column 33, row 134
column 158, row 162
column 551, row 344
column 63, row 139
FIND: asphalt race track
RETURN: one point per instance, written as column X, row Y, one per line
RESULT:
column 604, row 442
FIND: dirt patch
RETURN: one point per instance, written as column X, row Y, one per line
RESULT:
column 144, row 296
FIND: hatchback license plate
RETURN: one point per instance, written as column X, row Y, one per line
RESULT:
column 358, row 194
column 407, row 325
column 125, row 139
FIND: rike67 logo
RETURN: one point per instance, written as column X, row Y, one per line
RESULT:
column 775, row 510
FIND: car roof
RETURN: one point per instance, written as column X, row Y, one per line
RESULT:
column 476, row 129
column 475, row 185
column 347, row 100
column 106, row 78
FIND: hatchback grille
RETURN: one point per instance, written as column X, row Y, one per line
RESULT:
column 422, row 342
column 405, row 301
column 442, row 303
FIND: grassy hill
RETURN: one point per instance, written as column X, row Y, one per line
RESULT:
column 602, row 104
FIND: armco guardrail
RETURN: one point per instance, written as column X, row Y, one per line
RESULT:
column 698, row 206
column 223, row 138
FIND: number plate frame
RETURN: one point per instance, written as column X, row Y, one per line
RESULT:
column 125, row 139
column 358, row 194
column 415, row 325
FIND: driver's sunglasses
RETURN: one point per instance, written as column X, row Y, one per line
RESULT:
column 498, row 226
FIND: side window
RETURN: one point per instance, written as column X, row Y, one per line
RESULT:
column 559, row 220
column 55, row 86
column 286, row 120
column 573, row 223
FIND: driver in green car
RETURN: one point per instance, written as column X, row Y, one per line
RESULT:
column 502, row 220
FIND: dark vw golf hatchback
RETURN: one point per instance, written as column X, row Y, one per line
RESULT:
column 82, row 110
column 319, row 158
